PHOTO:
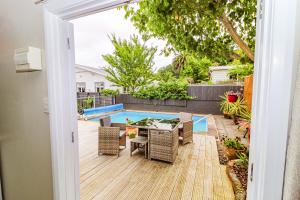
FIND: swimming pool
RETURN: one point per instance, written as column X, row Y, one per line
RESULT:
column 200, row 122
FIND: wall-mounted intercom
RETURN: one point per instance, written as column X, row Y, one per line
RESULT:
column 28, row 59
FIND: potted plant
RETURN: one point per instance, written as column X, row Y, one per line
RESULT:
column 239, row 106
column 130, row 131
column 226, row 106
column 245, row 123
column 232, row 96
column 233, row 147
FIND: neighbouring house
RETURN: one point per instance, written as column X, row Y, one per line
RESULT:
column 91, row 79
column 219, row 73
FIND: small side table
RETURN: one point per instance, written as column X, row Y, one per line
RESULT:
column 139, row 143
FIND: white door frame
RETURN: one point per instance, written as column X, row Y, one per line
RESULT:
column 277, row 52
column 60, row 58
column 273, row 85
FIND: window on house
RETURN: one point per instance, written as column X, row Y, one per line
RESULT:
column 80, row 86
column 99, row 86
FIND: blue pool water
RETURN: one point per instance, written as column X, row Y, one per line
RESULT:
column 200, row 122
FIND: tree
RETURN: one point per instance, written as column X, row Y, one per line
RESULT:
column 212, row 28
column 197, row 69
column 240, row 71
column 130, row 65
column 166, row 74
column 179, row 62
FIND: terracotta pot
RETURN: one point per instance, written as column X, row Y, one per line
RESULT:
column 131, row 130
column 232, row 97
column 231, row 153
column 249, row 131
column 235, row 120
column 227, row 116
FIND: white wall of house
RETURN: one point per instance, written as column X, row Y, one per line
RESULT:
column 219, row 73
column 219, row 76
column 25, row 150
column 89, row 78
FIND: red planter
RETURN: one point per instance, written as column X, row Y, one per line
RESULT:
column 232, row 97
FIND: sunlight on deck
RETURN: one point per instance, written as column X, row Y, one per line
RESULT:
column 196, row 173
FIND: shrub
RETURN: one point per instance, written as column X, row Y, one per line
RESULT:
column 176, row 90
column 233, row 143
column 109, row 92
column 197, row 69
column 243, row 159
column 233, row 108
column 240, row 70
column 88, row 103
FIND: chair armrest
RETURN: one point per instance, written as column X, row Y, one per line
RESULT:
column 122, row 126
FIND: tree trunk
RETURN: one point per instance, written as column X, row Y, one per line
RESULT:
column 236, row 38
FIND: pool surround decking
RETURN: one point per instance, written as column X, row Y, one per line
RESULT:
column 196, row 173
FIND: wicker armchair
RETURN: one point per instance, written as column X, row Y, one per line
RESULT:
column 110, row 138
column 185, row 117
column 186, row 132
column 163, row 145
column 186, row 129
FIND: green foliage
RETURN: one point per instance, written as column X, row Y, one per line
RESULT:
column 195, row 26
column 109, row 92
column 238, row 107
column 197, row 69
column 166, row 74
column 240, row 70
column 80, row 109
column 225, row 105
column 175, row 89
column 243, row 159
column 130, row 65
column 129, row 121
column 246, row 115
column 233, row 108
column 233, row 143
column 179, row 62
column 88, row 103
column 188, row 67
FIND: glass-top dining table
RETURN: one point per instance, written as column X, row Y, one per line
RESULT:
column 162, row 126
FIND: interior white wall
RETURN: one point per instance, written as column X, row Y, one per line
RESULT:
column 24, row 127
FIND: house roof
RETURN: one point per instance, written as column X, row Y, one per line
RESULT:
column 96, row 70
column 217, row 68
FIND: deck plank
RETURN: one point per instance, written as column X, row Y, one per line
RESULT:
column 196, row 174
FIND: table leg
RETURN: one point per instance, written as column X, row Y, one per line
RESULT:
column 131, row 147
column 146, row 151
column 148, row 145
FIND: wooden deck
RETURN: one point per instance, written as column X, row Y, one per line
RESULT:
column 196, row 174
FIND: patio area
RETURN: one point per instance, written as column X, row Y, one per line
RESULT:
column 196, row 173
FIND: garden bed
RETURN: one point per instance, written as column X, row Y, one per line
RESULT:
column 237, row 178
column 237, row 173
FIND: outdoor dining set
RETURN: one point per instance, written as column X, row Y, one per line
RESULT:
column 158, row 138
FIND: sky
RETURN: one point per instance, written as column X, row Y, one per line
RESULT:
column 91, row 38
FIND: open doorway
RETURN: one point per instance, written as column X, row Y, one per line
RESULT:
column 67, row 33
column 103, row 55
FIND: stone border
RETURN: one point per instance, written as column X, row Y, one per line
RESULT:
column 239, row 192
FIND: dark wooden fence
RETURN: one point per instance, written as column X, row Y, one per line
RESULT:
column 206, row 100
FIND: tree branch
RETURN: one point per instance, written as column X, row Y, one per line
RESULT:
column 235, row 36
